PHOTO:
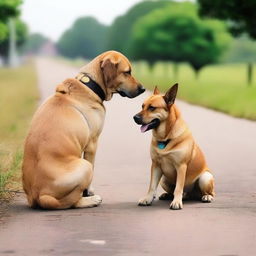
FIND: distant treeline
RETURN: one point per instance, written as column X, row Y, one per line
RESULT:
column 159, row 31
column 152, row 31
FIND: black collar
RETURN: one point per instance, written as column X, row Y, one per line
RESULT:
column 162, row 144
column 86, row 80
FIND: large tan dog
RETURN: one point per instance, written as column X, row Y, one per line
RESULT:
column 176, row 158
column 66, row 127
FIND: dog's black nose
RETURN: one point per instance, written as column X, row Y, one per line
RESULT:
column 137, row 118
column 141, row 89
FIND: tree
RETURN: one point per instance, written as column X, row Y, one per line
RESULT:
column 240, row 14
column 21, row 35
column 177, row 33
column 120, row 31
column 86, row 38
column 8, row 8
column 34, row 42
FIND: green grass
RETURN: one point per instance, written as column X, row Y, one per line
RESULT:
column 18, row 100
column 221, row 87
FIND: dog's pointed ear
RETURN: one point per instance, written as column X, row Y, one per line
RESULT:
column 109, row 70
column 170, row 95
column 156, row 91
column 63, row 88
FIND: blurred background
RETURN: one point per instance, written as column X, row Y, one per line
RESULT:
column 207, row 46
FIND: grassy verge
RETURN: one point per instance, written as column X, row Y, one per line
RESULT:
column 18, row 100
column 220, row 87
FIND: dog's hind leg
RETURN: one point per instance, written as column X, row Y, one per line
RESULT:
column 206, row 185
column 50, row 202
column 71, row 186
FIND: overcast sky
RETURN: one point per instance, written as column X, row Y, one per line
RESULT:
column 52, row 17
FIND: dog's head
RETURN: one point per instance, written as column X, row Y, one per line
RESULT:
column 156, row 109
column 117, row 75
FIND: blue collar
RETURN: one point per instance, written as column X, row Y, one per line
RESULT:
column 162, row 144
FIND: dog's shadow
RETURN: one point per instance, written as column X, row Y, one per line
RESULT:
column 155, row 206
column 130, row 206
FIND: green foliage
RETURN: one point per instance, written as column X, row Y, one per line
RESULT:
column 8, row 8
column 21, row 35
column 34, row 42
column 3, row 31
column 120, row 31
column 85, row 39
column 177, row 33
column 239, row 14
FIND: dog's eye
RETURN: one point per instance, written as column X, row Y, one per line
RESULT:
column 128, row 72
column 151, row 108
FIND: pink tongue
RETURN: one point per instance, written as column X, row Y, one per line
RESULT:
column 144, row 127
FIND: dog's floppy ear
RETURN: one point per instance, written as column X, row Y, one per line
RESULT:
column 170, row 95
column 156, row 91
column 63, row 88
column 109, row 70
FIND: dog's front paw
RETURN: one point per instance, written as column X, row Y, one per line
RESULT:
column 207, row 199
column 176, row 204
column 146, row 201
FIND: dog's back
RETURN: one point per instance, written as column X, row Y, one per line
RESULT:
column 58, row 134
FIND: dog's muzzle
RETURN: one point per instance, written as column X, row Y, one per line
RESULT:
column 130, row 95
column 141, row 89
column 145, row 127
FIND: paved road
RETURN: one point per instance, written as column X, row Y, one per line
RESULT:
column 119, row 226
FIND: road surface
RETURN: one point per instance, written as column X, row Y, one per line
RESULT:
column 119, row 227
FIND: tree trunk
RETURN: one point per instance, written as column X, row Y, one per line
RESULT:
column 197, row 74
column 249, row 73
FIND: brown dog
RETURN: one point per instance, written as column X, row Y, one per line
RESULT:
column 66, row 127
column 176, row 158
